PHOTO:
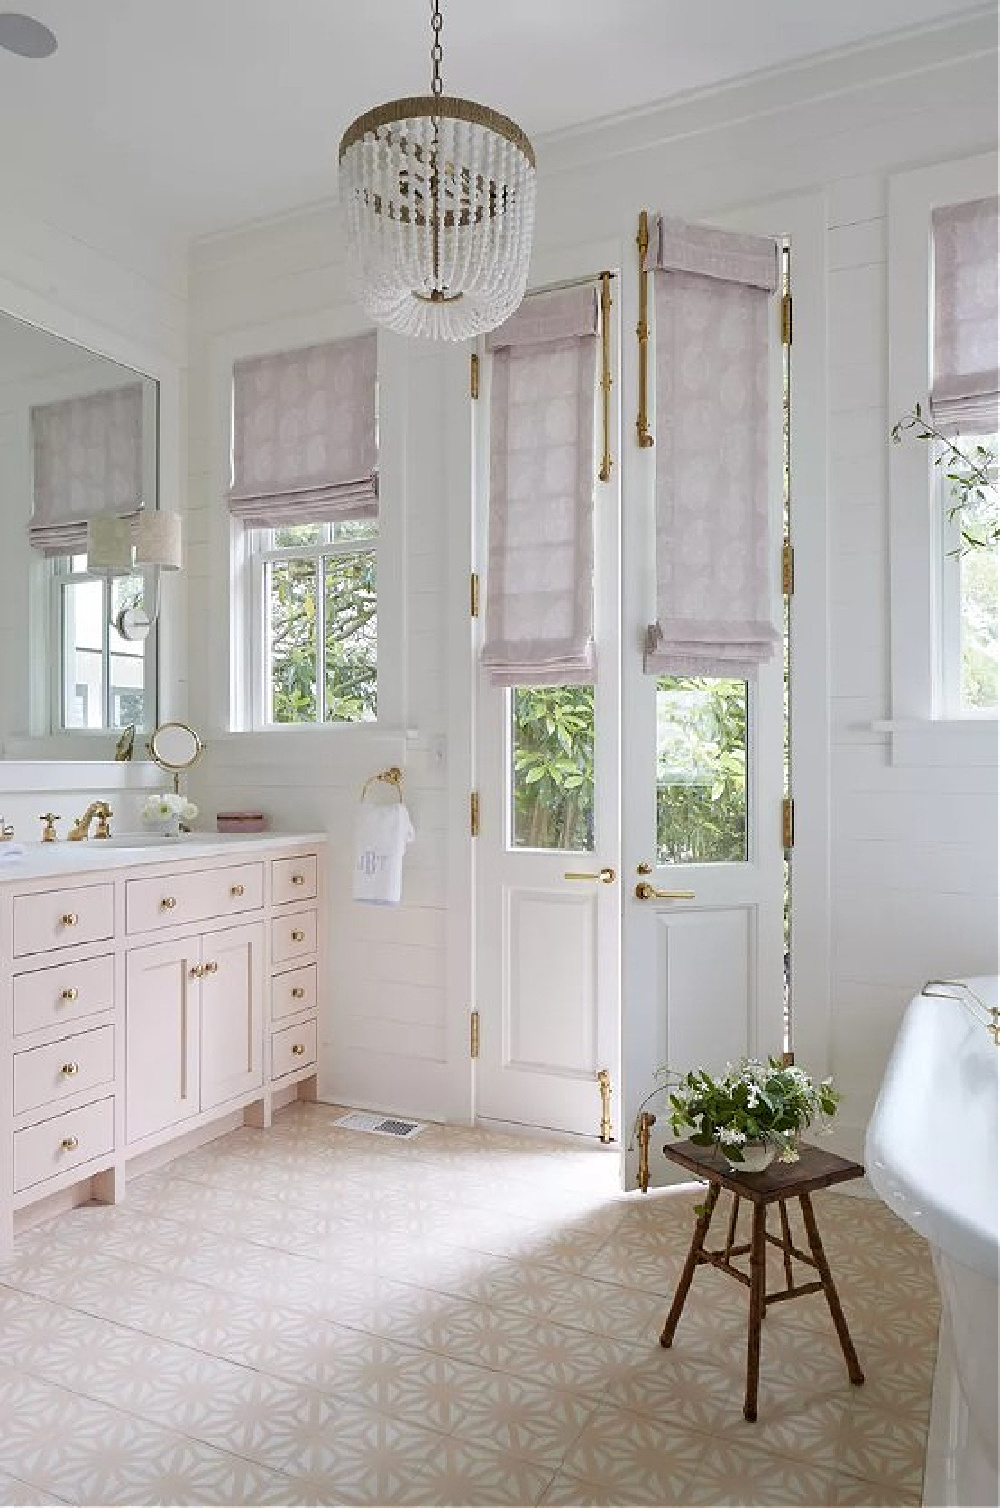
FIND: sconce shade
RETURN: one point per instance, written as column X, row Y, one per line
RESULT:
column 109, row 544
column 159, row 540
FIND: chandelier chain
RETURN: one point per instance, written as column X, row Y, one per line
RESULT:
column 436, row 51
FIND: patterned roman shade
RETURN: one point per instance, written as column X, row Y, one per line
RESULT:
column 540, row 566
column 965, row 394
column 305, row 439
column 87, row 455
column 713, row 293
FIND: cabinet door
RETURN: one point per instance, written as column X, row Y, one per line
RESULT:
column 162, row 1006
column 232, row 1020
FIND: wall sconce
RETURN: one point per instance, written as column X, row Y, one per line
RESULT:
column 158, row 541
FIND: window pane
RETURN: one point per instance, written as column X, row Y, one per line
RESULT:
column 355, row 528
column 979, row 628
column 701, row 807
column 552, row 767
column 351, row 648
column 290, row 595
column 299, row 534
column 126, row 657
column 83, row 641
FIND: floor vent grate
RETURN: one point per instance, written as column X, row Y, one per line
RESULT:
column 379, row 1125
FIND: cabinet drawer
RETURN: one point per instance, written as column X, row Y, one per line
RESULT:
column 60, row 1069
column 293, row 936
column 293, row 1047
column 63, row 995
column 196, row 895
column 61, row 918
column 293, row 879
column 293, row 992
column 57, row 1145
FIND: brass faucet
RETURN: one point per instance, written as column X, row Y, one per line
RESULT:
column 81, row 827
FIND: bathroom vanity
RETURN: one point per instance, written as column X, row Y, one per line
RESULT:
column 147, row 989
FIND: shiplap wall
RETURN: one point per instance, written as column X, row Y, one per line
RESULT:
column 911, row 859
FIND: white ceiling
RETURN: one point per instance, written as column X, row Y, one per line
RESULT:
column 197, row 114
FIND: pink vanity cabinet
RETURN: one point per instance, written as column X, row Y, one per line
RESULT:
column 144, row 997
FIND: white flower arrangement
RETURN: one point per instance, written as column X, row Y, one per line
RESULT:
column 165, row 806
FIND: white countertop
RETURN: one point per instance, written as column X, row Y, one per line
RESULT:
column 126, row 850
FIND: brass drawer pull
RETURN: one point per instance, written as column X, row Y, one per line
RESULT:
column 298, row 935
column 197, row 971
column 69, row 1069
column 69, row 1143
column 70, row 994
column 211, row 968
column 298, row 1049
column 237, row 890
column 298, row 879
column 298, row 993
column 168, row 903
column 69, row 918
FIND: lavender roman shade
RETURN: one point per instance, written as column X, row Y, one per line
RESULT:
column 87, row 455
column 305, row 445
column 713, row 569
column 540, row 567
column 965, row 394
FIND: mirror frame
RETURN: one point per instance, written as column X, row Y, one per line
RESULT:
column 172, row 766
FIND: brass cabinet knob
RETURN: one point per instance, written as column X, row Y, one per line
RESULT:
column 298, row 1049
column 70, row 994
column 237, row 890
column 298, row 879
column 211, row 968
column 69, row 918
column 197, row 971
column 69, row 1069
column 298, row 993
column 298, row 935
column 168, row 903
column 69, row 1143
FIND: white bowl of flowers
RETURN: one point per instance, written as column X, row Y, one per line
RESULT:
column 753, row 1112
column 164, row 812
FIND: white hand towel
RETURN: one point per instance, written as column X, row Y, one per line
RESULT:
column 381, row 835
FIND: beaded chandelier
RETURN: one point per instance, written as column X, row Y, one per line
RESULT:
column 437, row 196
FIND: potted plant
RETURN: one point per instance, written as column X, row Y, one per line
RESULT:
column 752, row 1112
column 164, row 812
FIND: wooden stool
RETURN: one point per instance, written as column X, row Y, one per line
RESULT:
column 780, row 1182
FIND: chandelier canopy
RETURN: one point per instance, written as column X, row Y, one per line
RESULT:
column 437, row 196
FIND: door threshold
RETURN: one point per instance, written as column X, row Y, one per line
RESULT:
column 549, row 1133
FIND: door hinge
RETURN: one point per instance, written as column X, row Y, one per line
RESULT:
column 474, row 595
column 788, row 823
column 474, row 814
column 787, row 569
column 474, row 1035
column 786, row 319
column 474, row 375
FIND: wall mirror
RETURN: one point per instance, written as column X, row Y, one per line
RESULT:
column 175, row 747
column 78, row 433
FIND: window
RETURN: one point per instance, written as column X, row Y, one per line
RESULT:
column 100, row 680
column 969, row 584
column 316, row 612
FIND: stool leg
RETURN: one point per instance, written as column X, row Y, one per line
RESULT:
column 854, row 1371
column 697, row 1241
column 758, row 1268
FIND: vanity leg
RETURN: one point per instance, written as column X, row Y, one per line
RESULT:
column 306, row 1089
column 107, row 1187
column 258, row 1114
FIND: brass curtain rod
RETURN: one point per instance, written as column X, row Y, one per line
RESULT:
column 581, row 282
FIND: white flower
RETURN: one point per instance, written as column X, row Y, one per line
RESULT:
column 163, row 805
column 731, row 1136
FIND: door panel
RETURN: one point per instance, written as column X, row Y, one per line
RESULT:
column 550, row 1005
column 231, row 1013
column 704, row 982
column 161, row 1036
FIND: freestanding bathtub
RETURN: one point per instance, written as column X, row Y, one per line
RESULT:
column 931, row 1153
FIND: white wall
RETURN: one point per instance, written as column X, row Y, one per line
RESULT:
column 910, row 860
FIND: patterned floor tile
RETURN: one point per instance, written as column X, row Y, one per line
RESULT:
column 296, row 1317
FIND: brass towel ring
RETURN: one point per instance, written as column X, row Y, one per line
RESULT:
column 392, row 776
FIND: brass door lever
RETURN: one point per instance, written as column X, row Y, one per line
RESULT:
column 646, row 892
column 606, row 876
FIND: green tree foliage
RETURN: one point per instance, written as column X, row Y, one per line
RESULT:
column 349, row 662
column 701, row 771
column 553, row 786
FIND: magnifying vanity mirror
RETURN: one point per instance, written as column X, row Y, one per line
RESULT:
column 175, row 747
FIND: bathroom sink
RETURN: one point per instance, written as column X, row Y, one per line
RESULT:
column 149, row 840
